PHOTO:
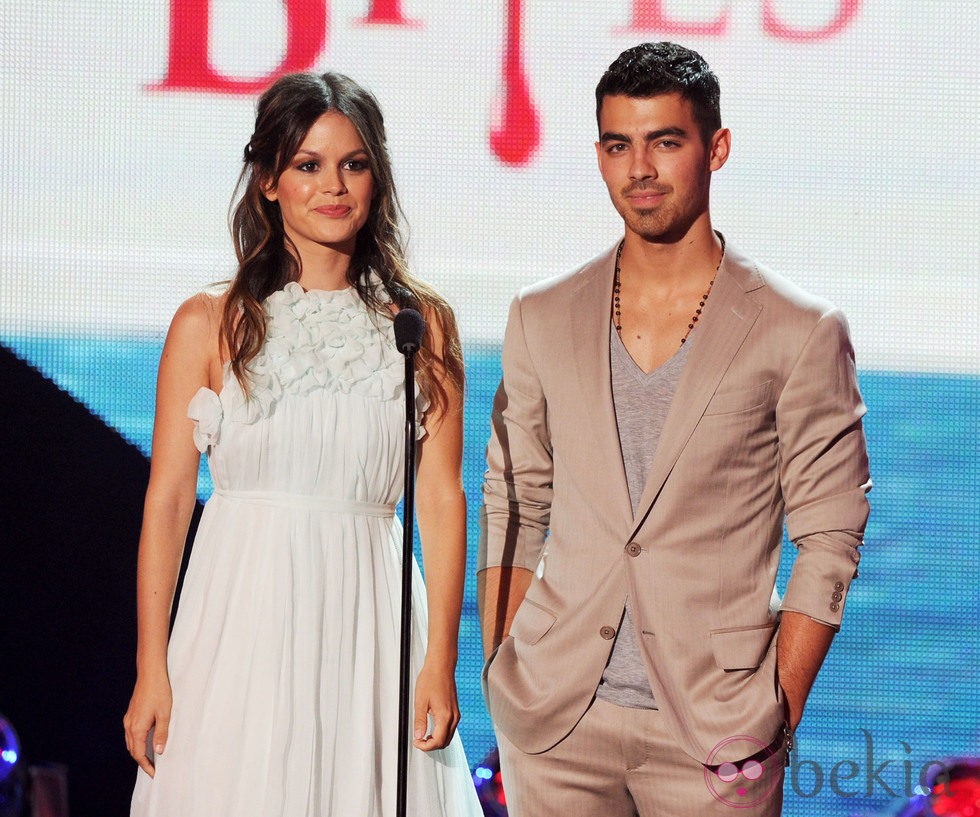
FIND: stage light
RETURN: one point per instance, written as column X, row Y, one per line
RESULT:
column 12, row 774
column 489, row 786
column 952, row 789
column 955, row 788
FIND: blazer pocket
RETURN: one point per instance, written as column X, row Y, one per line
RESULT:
column 531, row 623
column 741, row 647
column 732, row 402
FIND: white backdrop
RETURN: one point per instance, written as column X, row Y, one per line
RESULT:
column 854, row 168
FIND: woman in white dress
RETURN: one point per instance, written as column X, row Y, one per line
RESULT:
column 277, row 693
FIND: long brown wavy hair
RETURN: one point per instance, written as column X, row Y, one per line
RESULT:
column 267, row 259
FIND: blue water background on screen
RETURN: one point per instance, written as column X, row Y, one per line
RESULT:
column 900, row 686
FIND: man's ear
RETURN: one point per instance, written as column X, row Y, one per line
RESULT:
column 720, row 148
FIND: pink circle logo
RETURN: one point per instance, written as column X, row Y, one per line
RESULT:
column 747, row 782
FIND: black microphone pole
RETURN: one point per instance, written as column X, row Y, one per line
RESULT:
column 409, row 328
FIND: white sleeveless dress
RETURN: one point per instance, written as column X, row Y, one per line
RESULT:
column 284, row 657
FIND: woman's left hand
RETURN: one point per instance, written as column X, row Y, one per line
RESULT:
column 435, row 696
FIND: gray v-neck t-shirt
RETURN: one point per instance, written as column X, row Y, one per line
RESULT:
column 641, row 401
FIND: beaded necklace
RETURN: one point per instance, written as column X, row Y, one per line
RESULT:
column 617, row 311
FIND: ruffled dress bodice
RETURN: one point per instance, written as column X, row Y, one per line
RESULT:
column 326, row 388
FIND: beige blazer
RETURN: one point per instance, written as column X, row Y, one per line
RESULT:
column 765, row 427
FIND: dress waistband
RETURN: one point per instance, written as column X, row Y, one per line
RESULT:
column 325, row 504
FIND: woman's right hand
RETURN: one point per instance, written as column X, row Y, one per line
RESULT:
column 149, row 709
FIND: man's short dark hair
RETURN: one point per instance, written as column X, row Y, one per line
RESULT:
column 652, row 69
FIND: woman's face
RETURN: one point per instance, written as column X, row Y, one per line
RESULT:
column 326, row 189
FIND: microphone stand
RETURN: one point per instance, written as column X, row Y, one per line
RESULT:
column 408, row 522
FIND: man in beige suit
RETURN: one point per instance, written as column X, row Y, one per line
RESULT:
column 663, row 411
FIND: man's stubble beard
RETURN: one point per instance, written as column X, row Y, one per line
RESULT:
column 664, row 224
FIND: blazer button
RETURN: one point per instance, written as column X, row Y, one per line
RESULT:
column 839, row 586
column 607, row 632
column 633, row 549
column 837, row 597
column 834, row 607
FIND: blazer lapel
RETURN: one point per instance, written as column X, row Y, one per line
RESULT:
column 727, row 319
column 589, row 320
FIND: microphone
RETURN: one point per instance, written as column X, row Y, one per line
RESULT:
column 409, row 328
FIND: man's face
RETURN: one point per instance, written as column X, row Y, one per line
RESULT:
column 655, row 163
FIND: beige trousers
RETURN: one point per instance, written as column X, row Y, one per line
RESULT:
column 621, row 762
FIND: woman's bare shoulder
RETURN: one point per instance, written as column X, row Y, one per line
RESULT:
column 198, row 319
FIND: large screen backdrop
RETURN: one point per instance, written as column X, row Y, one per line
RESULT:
column 853, row 171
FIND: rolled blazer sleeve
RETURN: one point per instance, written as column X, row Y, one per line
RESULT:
column 824, row 471
column 517, row 486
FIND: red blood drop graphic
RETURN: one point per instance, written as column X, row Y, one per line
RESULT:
column 516, row 129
